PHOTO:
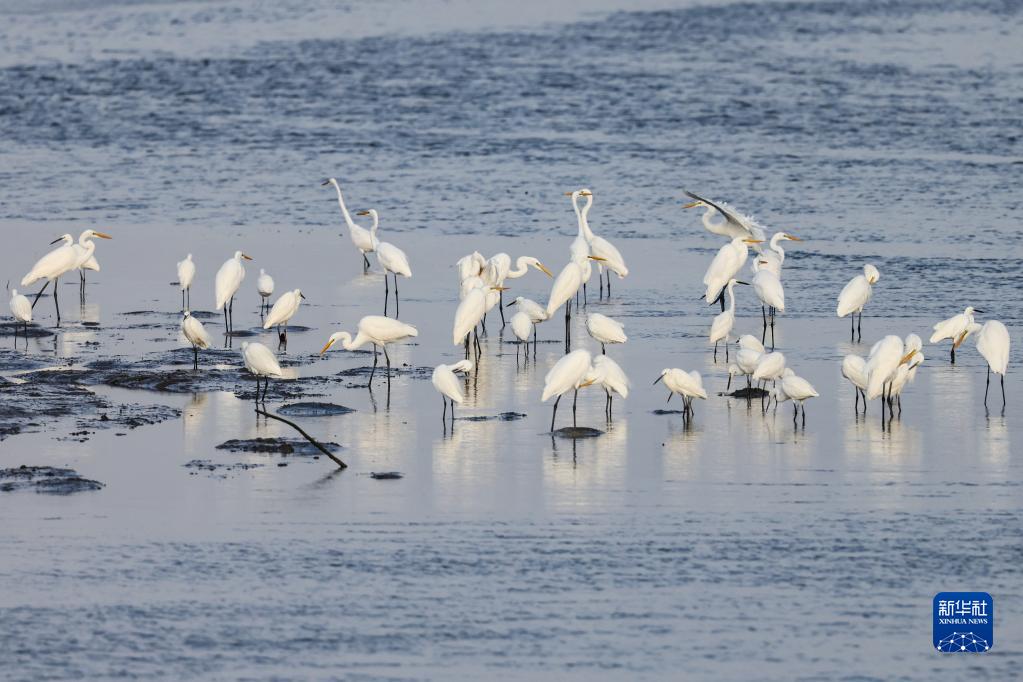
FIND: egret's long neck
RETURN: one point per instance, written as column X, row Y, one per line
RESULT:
column 578, row 215
column 90, row 248
column 776, row 246
column 731, row 297
column 708, row 219
column 376, row 223
column 341, row 203
column 351, row 344
column 521, row 268
column 584, row 224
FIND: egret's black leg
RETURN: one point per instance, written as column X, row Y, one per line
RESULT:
column 856, row 391
column 555, row 413
column 987, row 384
column 609, row 288
column 396, row 295
column 182, row 299
column 953, row 353
column 444, row 414
column 1003, row 376
column 859, row 327
column 195, row 359
column 40, row 294
column 804, row 414
column 501, row 305
column 600, row 278
column 387, row 292
column 726, row 349
column 375, row 358
column 584, row 293
column 575, row 399
column 56, row 303
column 728, row 386
column 388, row 358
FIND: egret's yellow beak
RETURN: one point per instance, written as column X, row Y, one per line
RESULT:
column 693, row 204
column 246, row 257
column 598, row 258
column 499, row 288
column 907, row 357
column 101, row 235
column 568, row 194
column 959, row 341
column 753, row 241
column 792, row 237
column 586, row 194
column 541, row 268
column 327, row 347
column 588, row 383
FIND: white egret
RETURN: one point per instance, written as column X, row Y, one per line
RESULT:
column 750, row 352
column 470, row 312
column 260, row 361
column 580, row 247
column 229, row 279
column 448, row 385
column 378, row 330
column 536, row 312
column 498, row 268
column 605, row 330
column 87, row 261
column 726, row 264
column 568, row 374
column 393, row 260
column 605, row 252
column 734, row 224
column 854, row 368
column 770, row 367
column 855, row 295
column 612, row 379
column 522, row 328
column 885, row 357
column 773, row 257
column 957, row 328
column 721, row 328
column 265, row 287
column 566, row 284
column 284, row 309
column 186, row 273
column 22, row 311
column 993, row 344
column 470, row 266
column 196, row 335
column 769, row 290
column 59, row 261
column 912, row 352
column 689, row 385
column 796, row 389
column 364, row 240
column 733, row 371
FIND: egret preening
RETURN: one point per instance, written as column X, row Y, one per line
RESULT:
column 568, row 374
column 770, row 367
column 196, row 334
column 498, row 269
column 470, row 312
column 59, row 261
column 854, row 368
column 611, row 377
column 229, row 279
column 734, row 224
column 769, row 290
column 522, row 328
column 261, row 362
column 605, row 330
column 885, row 358
column 265, row 287
column 365, row 240
column 378, row 330
column 87, row 261
column 773, row 257
column 689, row 385
column 993, row 344
column 536, row 313
column 22, row 311
column 470, row 266
column 750, row 352
column 796, row 389
column 855, row 295
column 448, row 385
column 284, row 309
column 605, row 252
column 565, row 285
column 721, row 328
column 186, row 273
column 957, row 328
column 726, row 264
column 393, row 260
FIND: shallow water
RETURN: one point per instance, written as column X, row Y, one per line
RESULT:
column 743, row 547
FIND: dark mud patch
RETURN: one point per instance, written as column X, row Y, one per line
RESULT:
column 502, row 417
column 277, row 446
column 34, row 331
column 747, row 393
column 381, row 372
column 133, row 416
column 666, row 412
column 313, row 409
column 386, row 475
column 174, row 314
column 216, row 470
column 575, row 432
column 48, row 480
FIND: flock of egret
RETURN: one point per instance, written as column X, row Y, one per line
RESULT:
column 890, row 366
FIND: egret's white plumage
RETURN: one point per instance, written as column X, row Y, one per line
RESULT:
column 471, row 310
column 606, row 254
column 854, row 369
column 186, row 273
column 769, row 367
column 723, row 322
column 522, row 326
column 610, row 375
column 993, row 344
column 885, row 358
column 393, row 260
column 567, row 283
column 364, row 240
column 264, row 284
column 229, row 278
column 195, row 332
column 375, row 329
column 535, row 311
column 689, row 385
column 567, row 374
column 470, row 266
column 857, row 291
column 260, row 360
column 773, row 256
column 604, row 329
column 958, row 328
column 728, row 261
column 284, row 308
column 735, row 224
column 447, row 384
column 20, row 308
column 768, row 287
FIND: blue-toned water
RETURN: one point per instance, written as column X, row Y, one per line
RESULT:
column 741, row 548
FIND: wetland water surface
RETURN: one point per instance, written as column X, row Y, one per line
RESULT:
column 742, row 547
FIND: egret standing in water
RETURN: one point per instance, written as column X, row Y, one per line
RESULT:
column 229, row 279
column 393, row 260
column 364, row 240
column 64, row 258
column 196, row 334
column 450, row 388
column 470, row 312
column 22, row 311
column 378, row 330
column 689, row 385
column 611, row 377
column 260, row 361
column 993, row 344
column 854, row 297
column 566, row 284
column 957, row 328
column 773, row 256
column 607, row 255
column 796, row 389
column 522, row 328
column 284, row 309
column 568, row 374
column 265, row 287
column 769, row 290
column 605, row 330
column 854, row 368
column 721, row 328
column 87, row 261
column 186, row 273
column 726, row 264
column 498, row 269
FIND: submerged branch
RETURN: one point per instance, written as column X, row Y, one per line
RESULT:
column 328, row 453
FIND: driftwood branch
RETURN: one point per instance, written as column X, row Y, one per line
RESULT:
column 328, row 453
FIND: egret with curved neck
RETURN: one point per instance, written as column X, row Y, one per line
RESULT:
column 364, row 240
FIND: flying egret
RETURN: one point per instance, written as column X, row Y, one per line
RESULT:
column 773, row 257
column 260, row 361
column 726, row 264
column 22, row 311
column 568, row 374
column 522, row 328
column 796, row 389
column 855, row 295
column 612, row 379
column 957, row 328
column 769, row 290
column 734, row 224
column 448, row 385
column 378, row 330
column 265, row 287
column 87, row 261
column 196, row 334
column 498, row 269
column 365, row 240
column 565, row 285
column 993, row 344
column 854, row 368
column 59, row 261
column 689, row 385
column 186, row 273
column 393, row 260
column 228, row 280
column 605, row 330
column 606, row 254
column 721, row 328
column 470, row 312
column 284, row 309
